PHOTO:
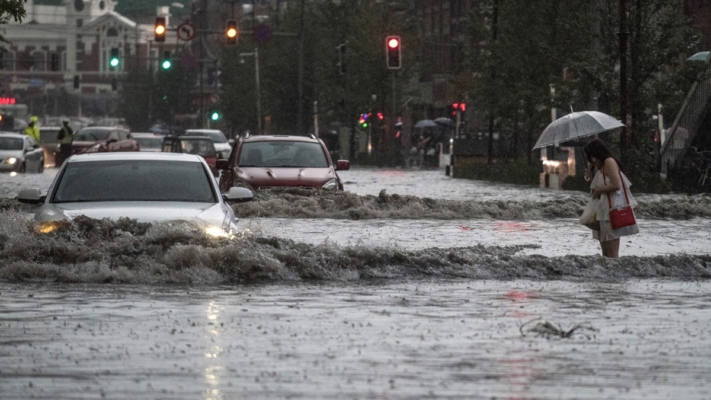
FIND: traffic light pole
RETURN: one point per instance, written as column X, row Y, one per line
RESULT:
column 255, row 54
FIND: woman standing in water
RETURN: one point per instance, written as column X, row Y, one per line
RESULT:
column 608, row 181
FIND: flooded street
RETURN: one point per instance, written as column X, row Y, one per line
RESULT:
column 435, row 289
column 425, row 339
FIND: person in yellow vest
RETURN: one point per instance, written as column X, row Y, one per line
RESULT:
column 32, row 130
column 65, row 137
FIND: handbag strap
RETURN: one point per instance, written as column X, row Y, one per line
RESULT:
column 622, row 183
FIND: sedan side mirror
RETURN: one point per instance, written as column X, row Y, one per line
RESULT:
column 239, row 195
column 343, row 165
column 30, row 196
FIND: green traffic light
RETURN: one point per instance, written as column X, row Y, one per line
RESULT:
column 365, row 125
column 215, row 116
column 114, row 62
column 167, row 64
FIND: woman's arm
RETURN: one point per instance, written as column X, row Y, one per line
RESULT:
column 612, row 171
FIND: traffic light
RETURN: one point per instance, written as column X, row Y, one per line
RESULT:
column 114, row 60
column 160, row 29
column 393, row 50
column 363, row 120
column 114, row 84
column 167, row 63
column 458, row 107
column 341, row 58
column 76, row 81
column 215, row 116
column 231, row 31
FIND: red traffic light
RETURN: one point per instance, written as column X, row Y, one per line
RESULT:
column 393, row 50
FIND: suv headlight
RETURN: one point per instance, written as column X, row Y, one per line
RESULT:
column 330, row 185
column 11, row 160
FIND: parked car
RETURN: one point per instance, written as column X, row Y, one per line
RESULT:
column 149, row 141
column 148, row 187
column 20, row 153
column 198, row 145
column 222, row 145
column 99, row 139
column 261, row 162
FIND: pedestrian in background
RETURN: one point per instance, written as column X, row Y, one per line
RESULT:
column 611, row 186
column 32, row 130
column 65, row 137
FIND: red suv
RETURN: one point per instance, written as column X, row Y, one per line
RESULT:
column 262, row 162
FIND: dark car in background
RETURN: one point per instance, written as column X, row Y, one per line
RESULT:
column 148, row 142
column 100, row 139
column 262, row 162
column 222, row 145
column 198, row 145
column 49, row 144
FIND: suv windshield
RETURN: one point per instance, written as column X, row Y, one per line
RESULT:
column 92, row 135
column 282, row 154
column 134, row 180
column 215, row 136
column 10, row 143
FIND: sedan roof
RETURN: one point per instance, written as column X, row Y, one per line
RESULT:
column 280, row 138
column 13, row 135
column 132, row 156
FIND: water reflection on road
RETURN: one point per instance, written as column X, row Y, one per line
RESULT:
column 437, row 339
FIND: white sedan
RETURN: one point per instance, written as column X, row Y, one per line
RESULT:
column 20, row 153
column 148, row 187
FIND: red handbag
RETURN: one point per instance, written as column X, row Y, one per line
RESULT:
column 620, row 217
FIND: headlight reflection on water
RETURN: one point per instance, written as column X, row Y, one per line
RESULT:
column 212, row 372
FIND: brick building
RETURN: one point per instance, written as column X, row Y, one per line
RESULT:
column 57, row 59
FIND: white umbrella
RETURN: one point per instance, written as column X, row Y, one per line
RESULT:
column 701, row 56
column 575, row 126
column 425, row 123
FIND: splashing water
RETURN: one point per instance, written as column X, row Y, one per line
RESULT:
column 126, row 251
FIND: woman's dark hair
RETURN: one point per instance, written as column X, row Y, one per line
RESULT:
column 596, row 148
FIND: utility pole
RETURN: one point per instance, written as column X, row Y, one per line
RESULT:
column 623, row 81
column 490, row 142
column 300, row 116
column 201, row 38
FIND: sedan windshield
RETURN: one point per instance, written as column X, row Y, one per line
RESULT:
column 92, row 135
column 283, row 154
column 134, row 180
column 10, row 143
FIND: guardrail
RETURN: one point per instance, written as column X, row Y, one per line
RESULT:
column 688, row 121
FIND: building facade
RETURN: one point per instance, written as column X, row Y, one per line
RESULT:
column 57, row 60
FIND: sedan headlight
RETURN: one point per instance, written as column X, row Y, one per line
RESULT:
column 11, row 160
column 330, row 185
column 217, row 232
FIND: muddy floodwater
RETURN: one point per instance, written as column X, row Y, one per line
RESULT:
column 410, row 285
column 407, row 340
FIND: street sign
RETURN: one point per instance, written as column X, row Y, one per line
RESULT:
column 186, row 31
column 262, row 34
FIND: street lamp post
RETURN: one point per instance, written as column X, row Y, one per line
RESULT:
column 255, row 54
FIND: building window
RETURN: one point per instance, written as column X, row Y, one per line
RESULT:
column 80, row 22
column 38, row 61
column 112, row 32
column 7, row 60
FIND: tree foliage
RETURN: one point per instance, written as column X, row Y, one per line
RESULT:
column 11, row 10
